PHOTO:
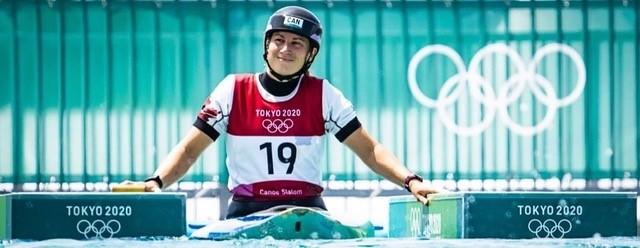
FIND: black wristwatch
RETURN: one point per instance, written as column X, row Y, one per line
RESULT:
column 155, row 179
column 410, row 178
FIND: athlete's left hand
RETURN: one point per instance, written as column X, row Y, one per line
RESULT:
column 422, row 191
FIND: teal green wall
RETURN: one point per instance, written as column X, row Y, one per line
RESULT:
column 101, row 92
column 5, row 217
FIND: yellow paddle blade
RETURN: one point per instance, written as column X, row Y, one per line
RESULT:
column 137, row 187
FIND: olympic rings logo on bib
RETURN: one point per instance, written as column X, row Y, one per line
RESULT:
column 524, row 77
column 277, row 125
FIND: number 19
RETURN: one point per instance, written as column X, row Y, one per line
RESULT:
column 291, row 159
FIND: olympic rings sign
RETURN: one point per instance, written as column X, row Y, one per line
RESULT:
column 97, row 228
column 277, row 125
column 497, row 101
column 549, row 228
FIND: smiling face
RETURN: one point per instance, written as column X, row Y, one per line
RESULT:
column 287, row 52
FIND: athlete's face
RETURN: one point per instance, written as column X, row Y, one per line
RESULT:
column 287, row 52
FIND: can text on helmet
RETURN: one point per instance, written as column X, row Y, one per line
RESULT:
column 293, row 21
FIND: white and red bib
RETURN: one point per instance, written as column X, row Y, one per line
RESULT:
column 274, row 144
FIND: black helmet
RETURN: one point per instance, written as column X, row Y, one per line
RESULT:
column 297, row 20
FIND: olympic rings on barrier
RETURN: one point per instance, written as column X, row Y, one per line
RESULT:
column 97, row 228
column 549, row 228
column 497, row 102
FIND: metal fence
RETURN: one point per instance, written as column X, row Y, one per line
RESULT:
column 100, row 91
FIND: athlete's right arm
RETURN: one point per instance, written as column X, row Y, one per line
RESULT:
column 180, row 159
column 211, row 121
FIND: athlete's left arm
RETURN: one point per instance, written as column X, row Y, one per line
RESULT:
column 382, row 161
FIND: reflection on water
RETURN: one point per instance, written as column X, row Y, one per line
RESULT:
column 369, row 242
